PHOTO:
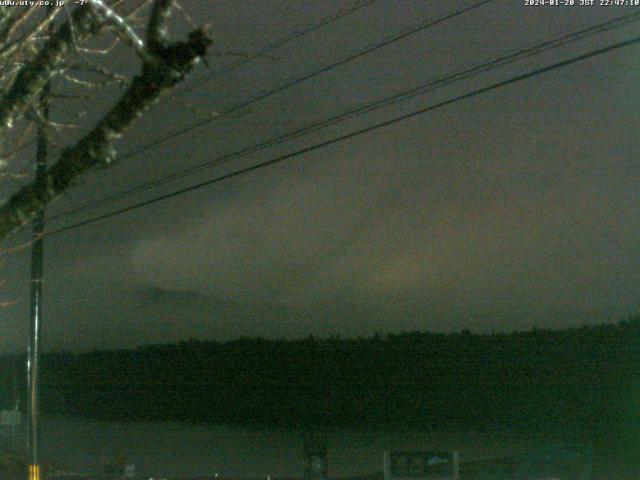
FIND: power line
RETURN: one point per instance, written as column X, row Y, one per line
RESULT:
column 384, row 102
column 280, row 43
column 371, row 48
column 349, row 58
column 326, row 143
column 294, row 35
column 307, row 76
column 261, row 96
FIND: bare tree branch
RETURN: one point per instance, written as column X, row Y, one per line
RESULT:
column 14, row 22
column 164, row 68
column 30, row 81
column 101, row 51
column 92, row 68
column 122, row 27
column 157, row 32
column 10, row 47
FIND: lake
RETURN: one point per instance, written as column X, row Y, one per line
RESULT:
column 161, row 449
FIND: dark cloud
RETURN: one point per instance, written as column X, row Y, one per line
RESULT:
column 518, row 208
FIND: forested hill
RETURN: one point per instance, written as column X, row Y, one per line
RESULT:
column 583, row 378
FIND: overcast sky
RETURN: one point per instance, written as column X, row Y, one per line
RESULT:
column 513, row 209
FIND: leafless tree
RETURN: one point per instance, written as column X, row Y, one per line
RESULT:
column 56, row 52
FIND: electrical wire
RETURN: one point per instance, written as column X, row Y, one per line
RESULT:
column 261, row 96
column 384, row 102
column 314, row 73
column 386, row 41
column 356, row 133
column 321, row 70
column 295, row 35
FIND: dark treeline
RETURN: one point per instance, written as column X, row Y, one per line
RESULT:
column 584, row 379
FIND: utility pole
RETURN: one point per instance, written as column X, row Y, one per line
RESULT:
column 33, row 360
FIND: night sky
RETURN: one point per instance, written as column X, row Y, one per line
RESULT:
column 515, row 209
